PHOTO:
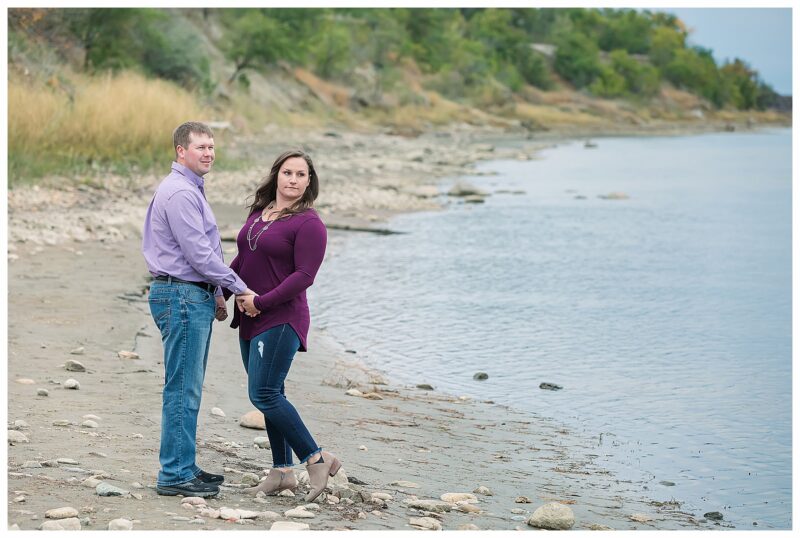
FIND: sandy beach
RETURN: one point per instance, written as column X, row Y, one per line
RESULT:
column 77, row 292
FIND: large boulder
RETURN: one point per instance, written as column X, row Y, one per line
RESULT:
column 553, row 516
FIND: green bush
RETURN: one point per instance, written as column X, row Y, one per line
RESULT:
column 577, row 59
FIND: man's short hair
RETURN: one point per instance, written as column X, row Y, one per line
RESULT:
column 181, row 136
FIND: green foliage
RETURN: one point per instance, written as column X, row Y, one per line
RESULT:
column 577, row 59
column 742, row 83
column 253, row 39
column 626, row 29
column 608, row 83
column 695, row 70
column 640, row 78
column 665, row 42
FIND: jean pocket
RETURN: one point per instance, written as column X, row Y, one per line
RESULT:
column 195, row 294
column 160, row 312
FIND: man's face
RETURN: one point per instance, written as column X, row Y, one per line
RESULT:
column 199, row 156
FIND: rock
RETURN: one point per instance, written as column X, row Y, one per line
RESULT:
column 286, row 493
column 667, row 483
column 474, row 199
column 354, row 392
column 422, row 191
column 105, row 489
column 465, row 189
column 453, row 498
column 15, row 437
column 248, row 514
column 261, row 442
column 128, row 355
column 42, row 392
column 91, row 482
column 518, row 511
column 61, row 422
column 120, row 524
column 137, row 436
column 19, row 499
column 230, row 514
column 72, row 384
column 90, row 424
column 31, row 465
column 550, row 386
column 77, row 351
column 714, row 516
column 74, row 366
column 299, row 513
column 68, row 524
column 20, row 425
column 363, row 448
column 425, row 523
column 338, row 480
column 93, row 417
column 25, row 381
column 181, row 518
column 381, row 496
column 197, row 521
column 425, row 386
column 210, row 513
column 194, row 501
column 640, row 518
column 480, row 376
column 61, row 513
column 137, row 496
column 14, row 527
column 373, row 396
column 253, row 419
column 598, row 527
column 553, row 516
column 430, row 505
column 614, row 196
column 93, row 453
column 404, row 484
column 311, row 506
column 468, row 527
column 522, row 499
column 362, row 515
column 289, row 526
column 250, row 479
column 467, row 508
column 483, row 490
column 217, row 412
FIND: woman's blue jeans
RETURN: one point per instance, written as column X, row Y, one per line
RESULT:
column 184, row 314
column 267, row 359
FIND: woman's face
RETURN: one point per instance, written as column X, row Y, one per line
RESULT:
column 292, row 179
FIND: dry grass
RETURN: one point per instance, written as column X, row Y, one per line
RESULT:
column 122, row 119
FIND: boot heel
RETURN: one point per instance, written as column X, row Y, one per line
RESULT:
column 335, row 466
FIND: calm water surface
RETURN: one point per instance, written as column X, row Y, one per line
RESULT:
column 666, row 317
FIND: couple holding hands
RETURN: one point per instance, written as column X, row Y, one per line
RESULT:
column 281, row 247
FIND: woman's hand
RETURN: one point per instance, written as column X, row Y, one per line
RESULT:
column 246, row 304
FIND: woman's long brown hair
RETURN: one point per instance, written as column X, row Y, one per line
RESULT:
column 268, row 190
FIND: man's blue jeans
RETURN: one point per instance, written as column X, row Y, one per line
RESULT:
column 184, row 314
column 267, row 359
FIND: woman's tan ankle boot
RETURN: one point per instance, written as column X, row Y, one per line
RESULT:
column 275, row 482
column 319, row 472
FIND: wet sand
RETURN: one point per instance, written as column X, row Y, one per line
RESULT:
column 91, row 294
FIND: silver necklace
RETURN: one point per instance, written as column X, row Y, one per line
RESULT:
column 252, row 242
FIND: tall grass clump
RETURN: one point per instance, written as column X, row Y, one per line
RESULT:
column 111, row 122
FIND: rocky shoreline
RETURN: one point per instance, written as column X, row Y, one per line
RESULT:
column 85, row 381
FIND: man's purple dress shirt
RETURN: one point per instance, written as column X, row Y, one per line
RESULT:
column 180, row 236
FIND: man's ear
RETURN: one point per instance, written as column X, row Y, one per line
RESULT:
column 180, row 151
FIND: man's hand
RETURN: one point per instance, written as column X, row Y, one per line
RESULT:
column 222, row 310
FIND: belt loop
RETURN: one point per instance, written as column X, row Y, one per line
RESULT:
column 169, row 279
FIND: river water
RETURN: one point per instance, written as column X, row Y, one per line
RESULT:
column 666, row 317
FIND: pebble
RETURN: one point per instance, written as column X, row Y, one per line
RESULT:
column 456, row 497
column 250, row 479
column 25, row 381
column 300, row 513
column 137, row 436
column 289, row 526
column 553, row 516
column 92, row 417
column 425, row 386
column 362, row 447
column 72, row 384
column 91, row 482
column 253, row 419
column 20, row 425
column 640, row 518
column 217, row 412
column 181, row 518
column 74, row 366
column 483, row 490
column 469, row 527
column 261, row 442
column 90, row 424
column 20, row 499
column 286, row 493
column 404, row 484
column 522, row 499
column 354, row 392
column 430, row 505
column 425, row 523
column 376, row 513
column 98, row 454
column 598, row 527
column 550, row 386
column 67, row 461
column 311, row 506
column 333, row 499
column 50, row 463
column 137, row 496
column 518, row 518
column 193, row 501
column 68, row 524
column 362, row 515
column 61, row 513
column 42, row 392
column 197, row 521
column 120, row 524
column 210, row 513
column 31, row 465
column 480, row 376
column 467, row 508
column 127, row 355
column 714, row 516
column 667, row 483
column 518, row 511
column 373, row 396
column 61, row 422
column 382, row 496
column 77, row 351
column 15, row 437
column 107, row 490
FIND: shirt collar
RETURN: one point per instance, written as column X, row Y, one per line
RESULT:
column 188, row 174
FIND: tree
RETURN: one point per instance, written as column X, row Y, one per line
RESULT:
column 253, row 39
column 577, row 59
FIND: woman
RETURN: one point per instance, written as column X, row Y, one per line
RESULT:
column 281, row 247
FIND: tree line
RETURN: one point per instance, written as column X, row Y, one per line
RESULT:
column 462, row 52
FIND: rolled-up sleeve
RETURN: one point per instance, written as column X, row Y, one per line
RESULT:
column 185, row 218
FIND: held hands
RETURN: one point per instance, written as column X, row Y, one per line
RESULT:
column 245, row 303
column 221, row 313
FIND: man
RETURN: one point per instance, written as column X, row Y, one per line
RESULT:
column 181, row 246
